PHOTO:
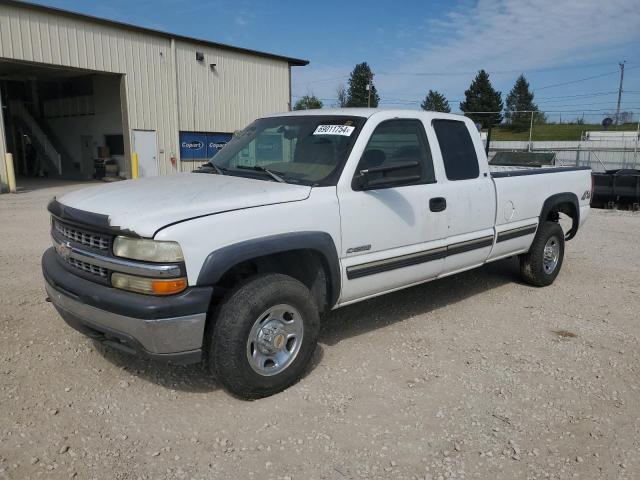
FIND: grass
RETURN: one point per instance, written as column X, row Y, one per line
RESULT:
column 557, row 132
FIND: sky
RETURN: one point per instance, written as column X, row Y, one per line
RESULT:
column 569, row 51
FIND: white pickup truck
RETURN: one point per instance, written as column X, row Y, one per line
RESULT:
column 298, row 214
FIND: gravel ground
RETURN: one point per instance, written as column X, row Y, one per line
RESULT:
column 474, row 376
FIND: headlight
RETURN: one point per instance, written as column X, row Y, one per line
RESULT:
column 150, row 286
column 147, row 250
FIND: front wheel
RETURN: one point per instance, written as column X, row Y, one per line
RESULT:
column 264, row 336
column 541, row 264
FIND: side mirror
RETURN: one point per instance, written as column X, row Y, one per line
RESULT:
column 369, row 179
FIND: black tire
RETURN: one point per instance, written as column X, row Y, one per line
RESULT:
column 532, row 263
column 234, row 321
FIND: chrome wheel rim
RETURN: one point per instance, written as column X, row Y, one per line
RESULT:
column 551, row 255
column 275, row 340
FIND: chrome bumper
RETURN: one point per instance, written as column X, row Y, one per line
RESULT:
column 173, row 337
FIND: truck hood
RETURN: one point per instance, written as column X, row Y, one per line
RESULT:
column 146, row 205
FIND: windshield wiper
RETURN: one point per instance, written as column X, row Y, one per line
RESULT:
column 218, row 170
column 257, row 168
column 211, row 168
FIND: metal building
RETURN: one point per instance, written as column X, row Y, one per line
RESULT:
column 79, row 92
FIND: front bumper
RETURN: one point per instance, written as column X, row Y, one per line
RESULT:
column 163, row 328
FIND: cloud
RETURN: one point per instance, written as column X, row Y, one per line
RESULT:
column 505, row 36
column 531, row 34
column 241, row 21
column 510, row 36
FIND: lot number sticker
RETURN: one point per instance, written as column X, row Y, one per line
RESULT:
column 344, row 130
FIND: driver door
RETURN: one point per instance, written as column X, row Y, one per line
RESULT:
column 390, row 238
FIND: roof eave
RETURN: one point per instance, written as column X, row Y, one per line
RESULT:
column 295, row 62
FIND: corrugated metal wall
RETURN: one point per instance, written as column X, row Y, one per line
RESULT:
column 242, row 87
column 230, row 95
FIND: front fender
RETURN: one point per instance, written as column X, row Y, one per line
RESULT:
column 220, row 261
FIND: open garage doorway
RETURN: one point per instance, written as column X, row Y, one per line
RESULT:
column 62, row 123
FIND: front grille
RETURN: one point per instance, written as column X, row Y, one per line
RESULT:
column 87, row 267
column 82, row 237
column 66, row 236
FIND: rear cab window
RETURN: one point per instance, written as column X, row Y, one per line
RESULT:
column 458, row 152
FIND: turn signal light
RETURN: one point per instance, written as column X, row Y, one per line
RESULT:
column 149, row 286
column 168, row 287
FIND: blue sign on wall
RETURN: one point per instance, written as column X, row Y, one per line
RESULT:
column 215, row 142
column 200, row 147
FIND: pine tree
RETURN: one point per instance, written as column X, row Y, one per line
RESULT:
column 357, row 94
column 308, row 102
column 435, row 102
column 519, row 105
column 481, row 97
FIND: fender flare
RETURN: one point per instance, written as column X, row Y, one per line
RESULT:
column 220, row 261
column 558, row 199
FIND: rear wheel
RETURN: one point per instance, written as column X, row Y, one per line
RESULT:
column 541, row 264
column 264, row 336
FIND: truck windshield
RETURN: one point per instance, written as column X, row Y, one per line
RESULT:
column 308, row 149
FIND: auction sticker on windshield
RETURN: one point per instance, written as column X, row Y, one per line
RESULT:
column 334, row 130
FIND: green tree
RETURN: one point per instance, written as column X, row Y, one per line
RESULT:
column 435, row 102
column 519, row 106
column 357, row 93
column 481, row 97
column 308, row 102
column 540, row 118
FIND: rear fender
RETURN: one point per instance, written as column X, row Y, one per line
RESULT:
column 567, row 203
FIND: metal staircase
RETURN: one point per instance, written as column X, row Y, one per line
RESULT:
column 39, row 138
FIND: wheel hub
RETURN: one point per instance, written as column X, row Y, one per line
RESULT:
column 551, row 255
column 271, row 338
column 275, row 340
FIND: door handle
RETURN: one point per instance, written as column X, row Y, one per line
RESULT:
column 437, row 204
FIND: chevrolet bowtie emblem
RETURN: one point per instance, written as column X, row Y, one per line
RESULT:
column 64, row 250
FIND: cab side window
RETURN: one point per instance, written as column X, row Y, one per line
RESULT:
column 458, row 153
column 399, row 141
